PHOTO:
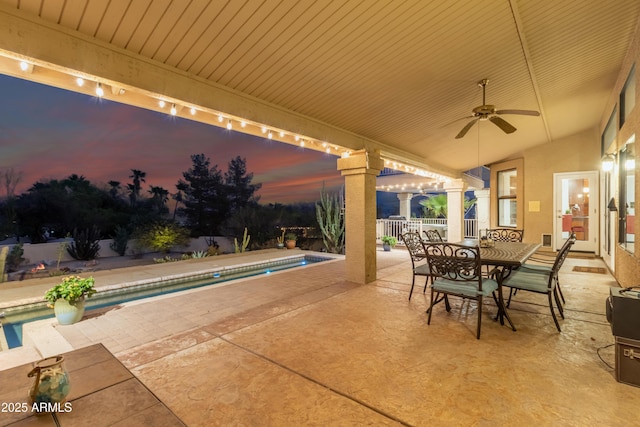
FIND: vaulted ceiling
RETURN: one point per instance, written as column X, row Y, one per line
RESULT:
column 398, row 74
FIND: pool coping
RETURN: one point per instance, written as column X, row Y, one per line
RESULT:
column 154, row 273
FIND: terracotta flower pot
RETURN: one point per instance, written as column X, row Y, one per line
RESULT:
column 291, row 244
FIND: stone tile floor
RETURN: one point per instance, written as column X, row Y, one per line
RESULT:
column 306, row 347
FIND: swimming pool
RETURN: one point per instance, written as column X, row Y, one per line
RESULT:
column 15, row 317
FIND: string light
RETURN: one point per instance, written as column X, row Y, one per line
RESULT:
column 161, row 103
column 229, row 125
column 99, row 90
column 80, row 81
column 174, row 110
column 243, row 124
column 220, row 118
column 192, row 111
column 264, row 129
column 270, row 135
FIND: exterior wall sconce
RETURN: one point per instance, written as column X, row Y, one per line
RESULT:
column 608, row 162
column 612, row 205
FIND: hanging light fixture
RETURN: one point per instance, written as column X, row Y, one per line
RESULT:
column 608, row 162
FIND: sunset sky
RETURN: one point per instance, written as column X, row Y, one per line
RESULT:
column 48, row 133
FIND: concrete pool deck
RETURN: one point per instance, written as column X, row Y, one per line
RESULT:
column 306, row 347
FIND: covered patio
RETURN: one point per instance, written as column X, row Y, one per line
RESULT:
column 305, row 347
column 340, row 344
column 379, row 85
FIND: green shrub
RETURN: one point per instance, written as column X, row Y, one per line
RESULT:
column 71, row 288
column 85, row 245
column 389, row 240
column 120, row 240
column 14, row 257
column 162, row 237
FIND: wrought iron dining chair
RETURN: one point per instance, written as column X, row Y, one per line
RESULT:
column 505, row 234
column 432, row 236
column 456, row 270
column 544, row 263
column 420, row 266
column 541, row 281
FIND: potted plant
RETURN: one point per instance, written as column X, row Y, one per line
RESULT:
column 67, row 298
column 388, row 242
column 280, row 240
column 291, row 240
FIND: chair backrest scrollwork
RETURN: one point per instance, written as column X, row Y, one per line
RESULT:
column 505, row 235
column 432, row 235
column 455, row 262
column 414, row 245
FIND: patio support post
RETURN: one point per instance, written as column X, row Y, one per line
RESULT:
column 483, row 209
column 405, row 204
column 360, row 169
column 455, row 209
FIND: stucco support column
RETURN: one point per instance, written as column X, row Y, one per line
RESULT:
column 405, row 204
column 455, row 209
column 483, row 209
column 360, row 170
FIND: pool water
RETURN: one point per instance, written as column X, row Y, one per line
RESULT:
column 14, row 318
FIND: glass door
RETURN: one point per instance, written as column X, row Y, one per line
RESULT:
column 576, row 208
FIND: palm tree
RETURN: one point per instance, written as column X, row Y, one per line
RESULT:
column 179, row 198
column 138, row 176
column 159, row 198
column 115, row 186
column 434, row 206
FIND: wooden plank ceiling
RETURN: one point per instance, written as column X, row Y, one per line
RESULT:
column 397, row 72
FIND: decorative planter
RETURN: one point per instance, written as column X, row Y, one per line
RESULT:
column 386, row 247
column 280, row 245
column 51, row 383
column 291, row 244
column 68, row 314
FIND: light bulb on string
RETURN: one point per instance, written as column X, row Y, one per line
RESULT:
column 99, row 90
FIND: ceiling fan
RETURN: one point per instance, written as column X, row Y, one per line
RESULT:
column 489, row 112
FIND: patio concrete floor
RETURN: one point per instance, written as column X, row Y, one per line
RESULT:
column 305, row 347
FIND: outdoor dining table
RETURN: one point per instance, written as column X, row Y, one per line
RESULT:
column 506, row 256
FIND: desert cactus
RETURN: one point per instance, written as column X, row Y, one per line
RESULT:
column 331, row 220
column 245, row 242
column 3, row 258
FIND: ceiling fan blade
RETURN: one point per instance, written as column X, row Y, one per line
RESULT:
column 522, row 112
column 502, row 124
column 465, row 129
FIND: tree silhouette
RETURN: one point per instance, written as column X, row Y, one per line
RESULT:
column 159, row 198
column 205, row 201
column 239, row 188
column 134, row 189
column 115, row 187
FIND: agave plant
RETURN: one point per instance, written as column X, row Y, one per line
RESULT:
column 199, row 254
